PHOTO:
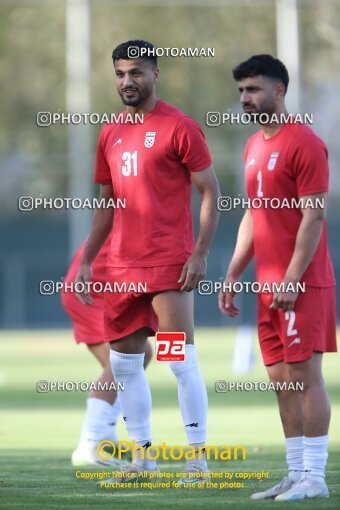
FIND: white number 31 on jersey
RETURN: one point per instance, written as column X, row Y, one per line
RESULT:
column 130, row 160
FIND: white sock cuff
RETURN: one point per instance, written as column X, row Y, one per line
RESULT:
column 191, row 360
column 115, row 410
column 294, row 442
column 126, row 364
column 320, row 440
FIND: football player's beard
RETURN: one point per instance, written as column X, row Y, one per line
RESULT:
column 133, row 101
column 255, row 116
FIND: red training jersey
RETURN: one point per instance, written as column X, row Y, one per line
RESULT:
column 149, row 165
column 289, row 165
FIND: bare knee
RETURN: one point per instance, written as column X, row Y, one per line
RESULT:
column 174, row 310
column 278, row 373
column 101, row 352
column 133, row 343
column 305, row 375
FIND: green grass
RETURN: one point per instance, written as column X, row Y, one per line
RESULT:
column 39, row 431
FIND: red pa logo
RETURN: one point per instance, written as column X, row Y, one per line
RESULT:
column 170, row 346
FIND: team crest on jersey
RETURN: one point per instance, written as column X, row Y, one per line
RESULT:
column 149, row 139
column 272, row 160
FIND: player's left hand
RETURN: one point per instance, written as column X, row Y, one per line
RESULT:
column 284, row 300
column 83, row 277
column 193, row 271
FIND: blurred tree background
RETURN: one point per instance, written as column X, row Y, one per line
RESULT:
column 33, row 77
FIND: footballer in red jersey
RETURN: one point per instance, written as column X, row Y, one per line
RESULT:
column 286, row 163
column 151, row 165
column 102, row 406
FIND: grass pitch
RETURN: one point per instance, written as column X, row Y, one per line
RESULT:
column 39, row 430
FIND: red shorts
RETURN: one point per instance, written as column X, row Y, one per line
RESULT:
column 87, row 320
column 294, row 336
column 126, row 312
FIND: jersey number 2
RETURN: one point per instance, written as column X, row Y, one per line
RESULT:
column 290, row 317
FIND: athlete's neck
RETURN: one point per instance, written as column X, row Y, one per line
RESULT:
column 145, row 107
column 269, row 130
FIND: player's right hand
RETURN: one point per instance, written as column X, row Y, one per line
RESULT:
column 226, row 300
column 84, row 277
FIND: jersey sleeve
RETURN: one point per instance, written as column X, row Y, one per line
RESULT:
column 190, row 145
column 102, row 174
column 310, row 166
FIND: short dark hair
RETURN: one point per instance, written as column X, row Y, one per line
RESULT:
column 123, row 51
column 264, row 65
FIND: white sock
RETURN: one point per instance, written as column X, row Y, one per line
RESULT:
column 96, row 419
column 111, row 425
column 192, row 396
column 135, row 399
column 142, row 460
column 294, row 457
column 315, row 456
column 200, row 454
column 115, row 412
